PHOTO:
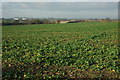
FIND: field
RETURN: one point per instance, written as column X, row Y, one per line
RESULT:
column 58, row 51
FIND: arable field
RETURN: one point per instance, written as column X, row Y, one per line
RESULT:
column 61, row 51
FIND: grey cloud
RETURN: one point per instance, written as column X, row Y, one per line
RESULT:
column 51, row 9
column 53, row 6
column 60, row 0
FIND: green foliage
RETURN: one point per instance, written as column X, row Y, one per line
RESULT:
column 52, row 51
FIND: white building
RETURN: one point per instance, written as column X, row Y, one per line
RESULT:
column 24, row 18
column 16, row 18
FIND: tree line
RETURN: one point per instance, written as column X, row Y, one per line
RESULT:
column 27, row 21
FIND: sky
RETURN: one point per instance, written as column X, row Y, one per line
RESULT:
column 60, row 0
column 60, row 9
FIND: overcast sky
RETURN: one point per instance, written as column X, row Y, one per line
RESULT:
column 60, row 0
column 60, row 9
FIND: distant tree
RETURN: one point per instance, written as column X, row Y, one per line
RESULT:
column 107, row 18
column 58, row 21
column 34, row 21
column 46, row 22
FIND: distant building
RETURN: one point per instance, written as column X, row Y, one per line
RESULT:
column 16, row 18
column 64, row 21
column 24, row 18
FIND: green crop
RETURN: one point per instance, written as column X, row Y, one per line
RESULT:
column 58, row 51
